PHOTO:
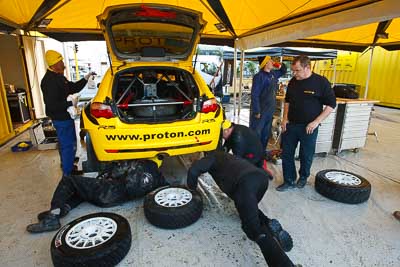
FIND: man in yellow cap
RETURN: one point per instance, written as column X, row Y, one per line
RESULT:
column 263, row 97
column 56, row 88
column 243, row 142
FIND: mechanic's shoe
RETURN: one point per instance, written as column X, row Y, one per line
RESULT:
column 301, row 182
column 285, row 186
column 282, row 236
column 64, row 211
column 396, row 214
column 51, row 222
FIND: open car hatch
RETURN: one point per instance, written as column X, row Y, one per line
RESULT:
column 149, row 32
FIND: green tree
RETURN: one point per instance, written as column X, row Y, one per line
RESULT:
column 250, row 67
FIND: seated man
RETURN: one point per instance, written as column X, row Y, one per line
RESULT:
column 246, row 185
column 126, row 181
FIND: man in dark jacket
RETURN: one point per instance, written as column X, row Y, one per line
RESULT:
column 125, row 181
column 56, row 88
column 263, row 97
column 246, row 185
column 243, row 142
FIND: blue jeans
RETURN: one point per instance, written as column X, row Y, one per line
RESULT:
column 262, row 127
column 297, row 133
column 66, row 144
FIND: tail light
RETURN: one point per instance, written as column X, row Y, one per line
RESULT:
column 100, row 110
column 210, row 105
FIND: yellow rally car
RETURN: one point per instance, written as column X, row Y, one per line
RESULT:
column 151, row 102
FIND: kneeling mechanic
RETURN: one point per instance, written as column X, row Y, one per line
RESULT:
column 246, row 185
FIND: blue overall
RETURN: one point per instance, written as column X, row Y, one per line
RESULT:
column 67, row 143
column 263, row 102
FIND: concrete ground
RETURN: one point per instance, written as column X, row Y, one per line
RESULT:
column 325, row 232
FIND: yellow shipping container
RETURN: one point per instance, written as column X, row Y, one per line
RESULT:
column 352, row 67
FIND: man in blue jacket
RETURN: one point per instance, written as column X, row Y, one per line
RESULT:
column 263, row 97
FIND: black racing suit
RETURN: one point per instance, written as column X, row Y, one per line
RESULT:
column 246, row 185
column 133, row 181
column 245, row 143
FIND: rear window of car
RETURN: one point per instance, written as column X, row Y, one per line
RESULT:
column 132, row 37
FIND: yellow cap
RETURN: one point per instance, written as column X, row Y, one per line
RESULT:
column 226, row 124
column 265, row 61
column 52, row 57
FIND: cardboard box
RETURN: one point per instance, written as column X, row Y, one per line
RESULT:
column 39, row 139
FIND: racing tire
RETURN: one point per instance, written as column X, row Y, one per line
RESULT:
column 98, row 239
column 173, row 207
column 91, row 164
column 342, row 186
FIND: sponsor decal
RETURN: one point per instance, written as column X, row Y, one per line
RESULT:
column 155, row 136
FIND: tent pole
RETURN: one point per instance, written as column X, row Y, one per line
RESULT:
column 369, row 72
column 66, row 61
column 334, row 73
column 234, row 78
column 241, row 80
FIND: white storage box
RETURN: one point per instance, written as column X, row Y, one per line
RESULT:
column 39, row 139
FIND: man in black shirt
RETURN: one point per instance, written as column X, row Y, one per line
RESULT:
column 246, row 185
column 306, row 95
column 56, row 88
